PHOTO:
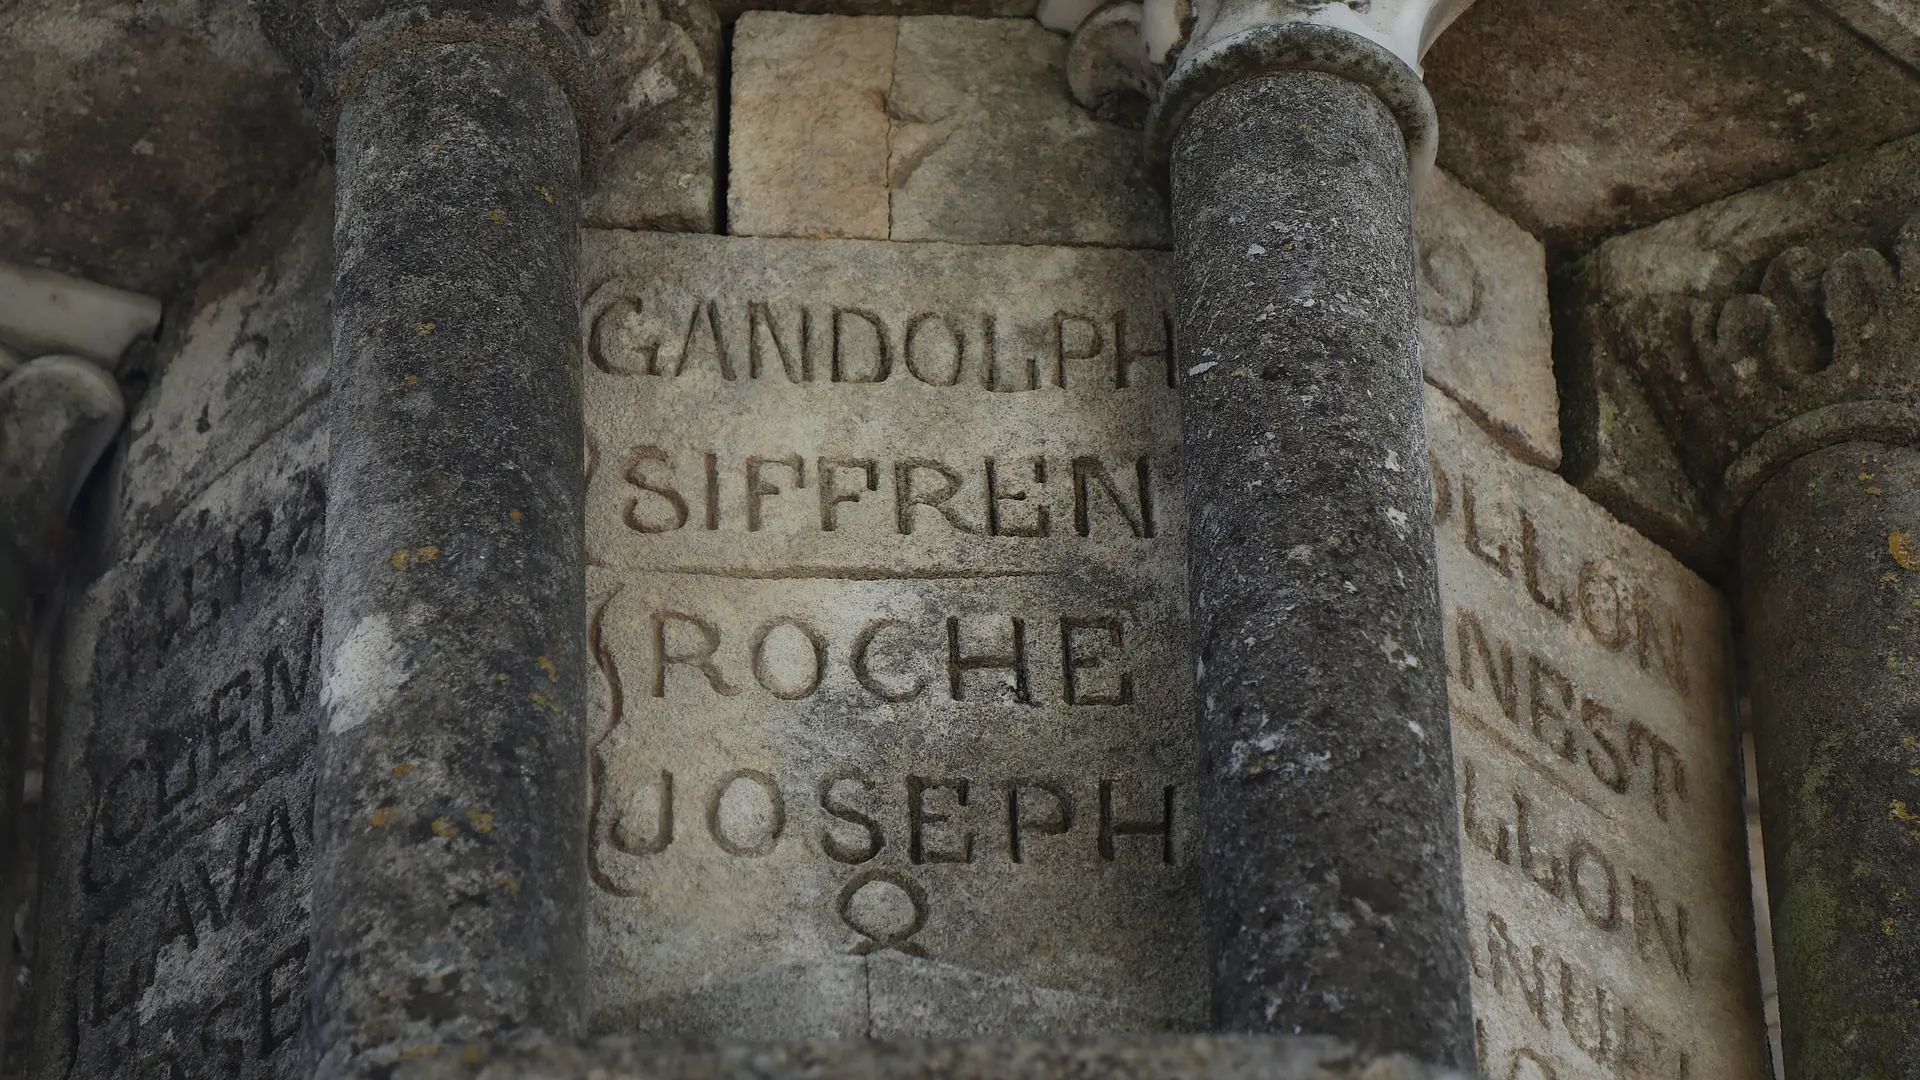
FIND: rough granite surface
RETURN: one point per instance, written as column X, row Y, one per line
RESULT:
column 450, row 877
column 1327, row 772
column 1830, row 581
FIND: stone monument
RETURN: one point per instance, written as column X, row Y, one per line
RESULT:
column 1025, row 604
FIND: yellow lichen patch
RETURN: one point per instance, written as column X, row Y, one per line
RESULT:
column 413, row 380
column 1875, row 491
column 382, row 817
column 1887, row 926
column 1900, row 545
column 544, row 702
column 474, row 1056
column 1897, row 811
column 423, row 328
column 435, row 146
column 496, row 215
column 445, row 828
column 499, row 676
column 405, row 559
column 553, row 673
column 508, row 883
column 516, row 516
column 482, row 821
column 545, row 192
column 403, row 768
column 423, row 1050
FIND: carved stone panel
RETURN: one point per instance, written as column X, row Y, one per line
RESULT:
column 176, row 935
column 175, row 915
column 1608, row 916
column 887, row 595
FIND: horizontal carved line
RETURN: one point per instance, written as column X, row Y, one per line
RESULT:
column 1546, row 772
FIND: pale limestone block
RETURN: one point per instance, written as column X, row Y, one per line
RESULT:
column 808, row 143
column 43, row 312
column 1484, row 333
column 1609, row 921
column 978, row 137
column 989, row 147
column 888, row 602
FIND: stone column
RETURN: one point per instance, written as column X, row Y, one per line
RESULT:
column 1781, row 367
column 1830, row 594
column 57, row 414
column 451, row 786
column 1332, row 857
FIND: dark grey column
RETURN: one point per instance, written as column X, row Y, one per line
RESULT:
column 1333, row 864
column 451, row 876
column 1830, row 595
column 450, row 803
column 16, row 642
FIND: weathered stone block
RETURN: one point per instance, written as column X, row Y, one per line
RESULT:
column 142, row 136
column 174, row 913
column 659, row 62
column 43, row 312
column 1608, row 914
column 1584, row 118
column 1894, row 25
column 1188, row 1057
column 969, row 121
column 1684, row 344
column 989, row 147
column 174, row 917
column 887, row 594
column 808, row 150
column 1484, row 333
column 251, row 354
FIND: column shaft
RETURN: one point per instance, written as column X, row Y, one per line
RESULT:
column 1333, row 864
column 451, row 875
column 16, row 684
column 1830, row 597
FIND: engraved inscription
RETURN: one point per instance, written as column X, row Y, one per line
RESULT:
column 183, row 945
column 1593, row 764
column 635, row 335
column 889, row 615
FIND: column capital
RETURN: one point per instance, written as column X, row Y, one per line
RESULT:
column 1747, row 333
column 1179, row 52
column 1818, row 353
